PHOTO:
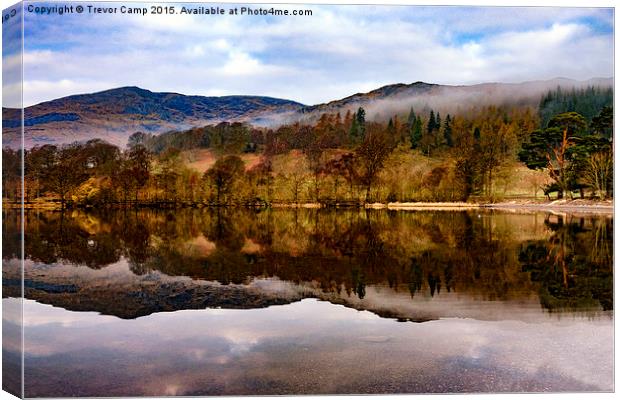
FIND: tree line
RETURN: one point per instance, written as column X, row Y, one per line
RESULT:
column 423, row 156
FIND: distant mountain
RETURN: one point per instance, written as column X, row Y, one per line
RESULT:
column 395, row 91
column 388, row 100
column 115, row 114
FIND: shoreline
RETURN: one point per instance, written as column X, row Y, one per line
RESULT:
column 567, row 208
column 571, row 206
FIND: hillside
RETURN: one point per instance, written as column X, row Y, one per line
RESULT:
column 115, row 114
column 384, row 102
column 201, row 160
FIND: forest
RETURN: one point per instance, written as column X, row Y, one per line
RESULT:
column 562, row 149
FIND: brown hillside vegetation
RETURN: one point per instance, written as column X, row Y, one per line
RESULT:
column 485, row 155
column 203, row 159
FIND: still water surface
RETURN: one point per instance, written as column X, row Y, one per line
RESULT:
column 199, row 302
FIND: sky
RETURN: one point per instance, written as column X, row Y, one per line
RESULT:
column 336, row 52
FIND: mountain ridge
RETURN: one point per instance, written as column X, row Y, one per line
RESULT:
column 114, row 114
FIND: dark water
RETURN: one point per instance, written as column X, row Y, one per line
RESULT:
column 199, row 302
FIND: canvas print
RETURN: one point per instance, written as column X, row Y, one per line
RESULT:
column 281, row 199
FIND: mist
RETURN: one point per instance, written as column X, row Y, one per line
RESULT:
column 443, row 99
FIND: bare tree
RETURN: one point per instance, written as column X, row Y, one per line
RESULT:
column 372, row 154
column 598, row 172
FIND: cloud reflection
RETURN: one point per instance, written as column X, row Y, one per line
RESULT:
column 312, row 347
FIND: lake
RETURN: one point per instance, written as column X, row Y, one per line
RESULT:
column 308, row 301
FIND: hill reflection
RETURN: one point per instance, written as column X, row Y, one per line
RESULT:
column 564, row 262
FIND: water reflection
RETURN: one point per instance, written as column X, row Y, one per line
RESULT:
column 306, row 347
column 574, row 266
column 310, row 302
column 563, row 262
column 12, row 318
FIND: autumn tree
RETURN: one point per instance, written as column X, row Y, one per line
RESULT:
column 138, row 139
column 275, row 141
column 346, row 168
column 496, row 145
column 595, row 155
column 598, row 172
column 335, row 179
column 167, row 173
column 314, row 151
column 140, row 164
column 295, row 175
column 134, row 170
column 372, row 154
column 223, row 174
column 263, row 171
column 229, row 138
column 101, row 157
column 11, row 173
column 123, row 179
column 67, row 172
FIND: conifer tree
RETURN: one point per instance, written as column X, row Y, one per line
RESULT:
column 477, row 139
column 447, row 131
column 360, row 116
column 353, row 132
column 411, row 119
column 390, row 128
column 415, row 133
column 431, row 123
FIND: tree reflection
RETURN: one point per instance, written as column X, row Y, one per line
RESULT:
column 574, row 266
column 568, row 263
column 61, row 237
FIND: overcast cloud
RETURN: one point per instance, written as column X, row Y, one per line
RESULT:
column 334, row 53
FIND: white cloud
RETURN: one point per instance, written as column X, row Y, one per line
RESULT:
column 36, row 91
column 335, row 53
column 241, row 64
column 12, row 80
